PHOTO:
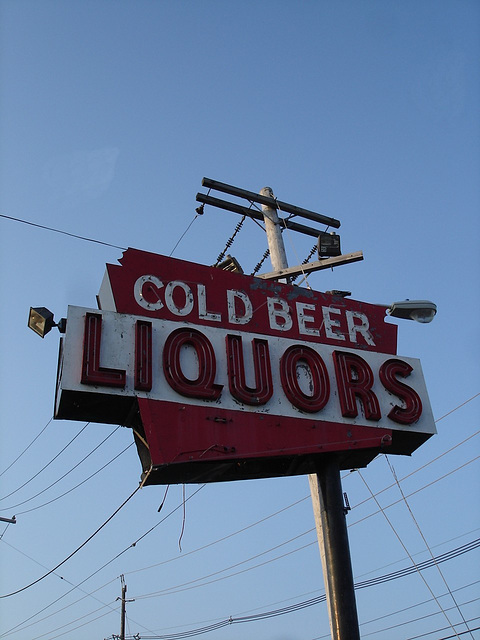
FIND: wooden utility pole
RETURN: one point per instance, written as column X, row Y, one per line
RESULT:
column 123, row 609
column 122, row 619
column 327, row 497
column 325, row 484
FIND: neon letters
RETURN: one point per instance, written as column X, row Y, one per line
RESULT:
column 352, row 383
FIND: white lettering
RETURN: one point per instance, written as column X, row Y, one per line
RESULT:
column 362, row 328
column 330, row 324
column 233, row 316
column 155, row 284
column 170, row 302
column 202, row 306
column 282, row 314
column 303, row 318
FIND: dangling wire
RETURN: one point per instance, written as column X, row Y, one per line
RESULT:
column 183, row 520
column 230, row 241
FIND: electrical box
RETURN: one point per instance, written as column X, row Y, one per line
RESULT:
column 329, row 245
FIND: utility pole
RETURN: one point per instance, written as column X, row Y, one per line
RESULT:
column 327, row 497
column 123, row 609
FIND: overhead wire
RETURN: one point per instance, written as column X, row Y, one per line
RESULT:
column 187, row 585
column 134, row 544
column 48, row 463
column 423, row 536
column 5, row 530
column 429, row 633
column 62, row 495
column 397, row 535
column 390, row 614
column 409, row 475
column 231, row 535
column 75, row 628
column 192, row 496
column 400, row 573
column 175, row 247
column 64, row 580
column 322, row 598
column 65, row 233
column 65, row 474
column 34, row 582
column 420, row 618
column 442, row 416
column 26, row 448
column 458, row 407
column 183, row 235
column 401, row 624
column 299, row 605
column 118, row 555
column 266, row 518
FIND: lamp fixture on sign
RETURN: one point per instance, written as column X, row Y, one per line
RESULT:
column 419, row 310
column 41, row 321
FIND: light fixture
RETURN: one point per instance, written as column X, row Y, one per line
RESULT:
column 41, row 321
column 419, row 310
column 230, row 264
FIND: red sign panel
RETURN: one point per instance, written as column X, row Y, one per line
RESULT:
column 225, row 376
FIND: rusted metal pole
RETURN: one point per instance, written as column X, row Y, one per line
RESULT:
column 327, row 497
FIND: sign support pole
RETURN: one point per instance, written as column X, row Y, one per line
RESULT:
column 327, row 497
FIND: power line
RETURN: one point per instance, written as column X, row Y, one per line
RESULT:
column 420, row 469
column 458, row 407
column 65, row 233
column 280, row 511
column 183, row 235
column 307, row 603
column 400, row 573
column 62, row 495
column 423, row 536
column 48, row 463
column 65, row 474
column 429, row 633
column 132, row 545
column 390, row 614
column 7, row 595
column 26, row 448
column 233, row 534
column 397, row 535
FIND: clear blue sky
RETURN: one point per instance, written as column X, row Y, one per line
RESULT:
column 111, row 114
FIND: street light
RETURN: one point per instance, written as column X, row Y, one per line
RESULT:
column 419, row 310
column 41, row 321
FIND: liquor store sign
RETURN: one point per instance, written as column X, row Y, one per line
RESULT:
column 224, row 371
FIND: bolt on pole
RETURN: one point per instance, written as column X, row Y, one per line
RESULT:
column 327, row 497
